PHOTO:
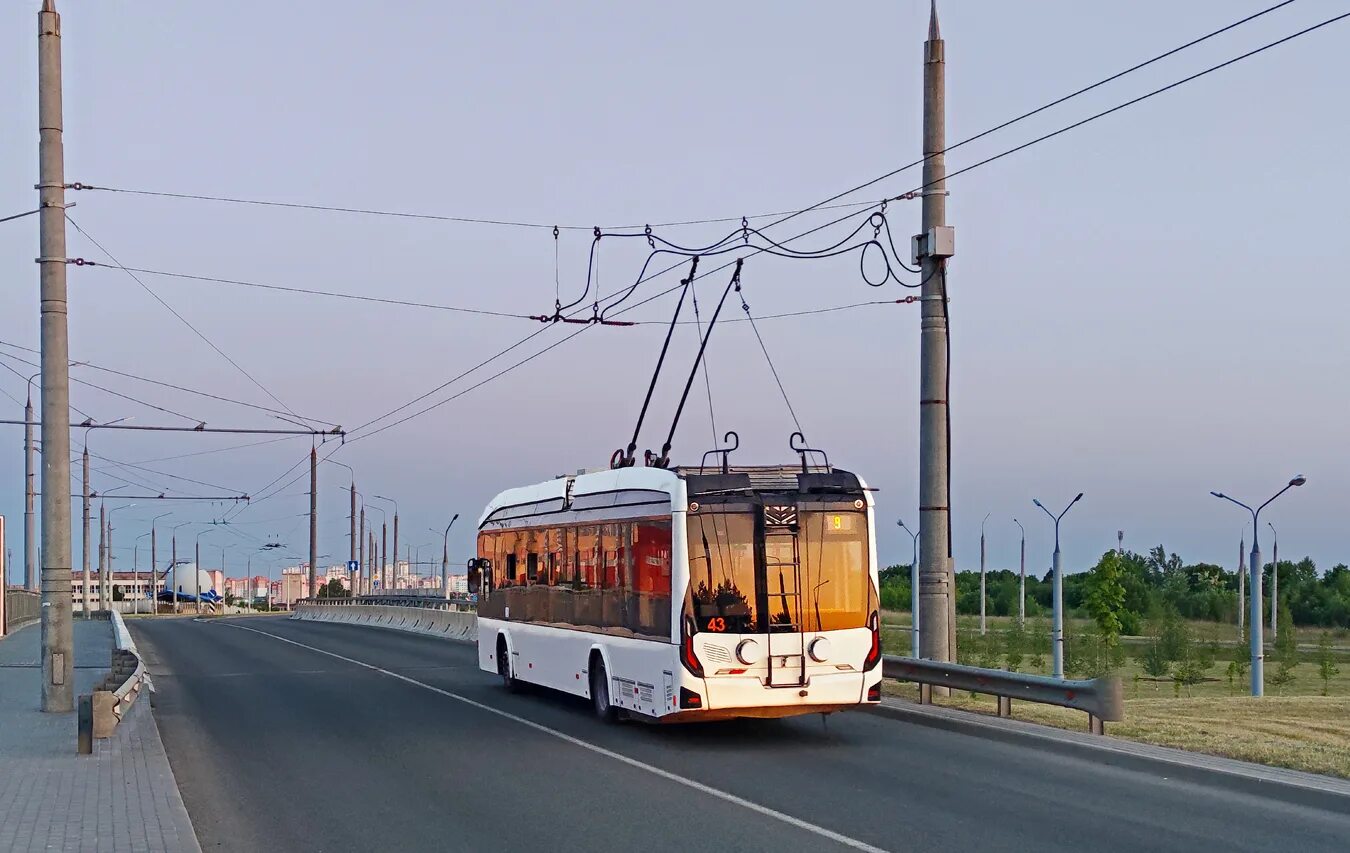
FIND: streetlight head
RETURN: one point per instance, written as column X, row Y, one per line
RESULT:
column 1038, row 503
column 1298, row 480
column 1077, row 499
column 1219, row 495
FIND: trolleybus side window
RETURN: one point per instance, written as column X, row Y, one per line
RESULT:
column 614, row 578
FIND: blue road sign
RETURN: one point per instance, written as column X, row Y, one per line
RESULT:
column 352, row 565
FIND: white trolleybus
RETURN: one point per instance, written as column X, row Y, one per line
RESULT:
column 677, row 595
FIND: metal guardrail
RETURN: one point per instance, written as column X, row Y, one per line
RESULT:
column 110, row 700
column 1101, row 698
column 21, row 607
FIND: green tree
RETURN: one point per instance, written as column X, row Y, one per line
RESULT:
column 333, row 589
column 1106, row 596
column 1326, row 662
column 1014, row 646
column 1152, row 660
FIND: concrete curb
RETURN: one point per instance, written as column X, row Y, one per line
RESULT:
column 1290, row 786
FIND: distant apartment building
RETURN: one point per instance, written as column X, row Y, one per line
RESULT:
column 126, row 586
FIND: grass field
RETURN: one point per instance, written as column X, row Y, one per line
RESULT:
column 1292, row 726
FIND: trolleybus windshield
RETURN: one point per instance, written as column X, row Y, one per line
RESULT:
column 811, row 577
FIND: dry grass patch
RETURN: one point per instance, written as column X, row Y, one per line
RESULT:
column 1310, row 733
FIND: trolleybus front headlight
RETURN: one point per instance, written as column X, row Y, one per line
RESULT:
column 748, row 652
column 819, row 650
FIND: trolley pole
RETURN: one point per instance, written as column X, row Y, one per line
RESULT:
column 937, row 602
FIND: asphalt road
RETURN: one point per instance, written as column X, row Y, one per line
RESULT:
column 354, row 739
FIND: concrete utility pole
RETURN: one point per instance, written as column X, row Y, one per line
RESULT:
column 4, row 576
column 1258, row 652
column 361, row 568
column 58, row 640
column 351, row 581
column 1242, row 585
column 937, row 600
column 313, row 516
column 1057, row 573
column 30, row 579
column 982, row 595
column 1274, row 582
column 1022, row 578
column 84, row 539
column 384, row 557
column 102, row 550
column 1120, row 543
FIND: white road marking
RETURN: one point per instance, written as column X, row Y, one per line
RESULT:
column 598, row 750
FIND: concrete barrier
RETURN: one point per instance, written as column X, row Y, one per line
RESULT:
column 446, row 624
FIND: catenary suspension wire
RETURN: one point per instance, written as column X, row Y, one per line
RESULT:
column 170, row 385
column 774, row 370
column 707, row 380
column 425, row 216
column 1118, row 107
column 180, row 317
column 25, row 379
column 331, row 294
column 88, row 384
column 822, row 205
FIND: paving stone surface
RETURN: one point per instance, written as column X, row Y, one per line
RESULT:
column 121, row 798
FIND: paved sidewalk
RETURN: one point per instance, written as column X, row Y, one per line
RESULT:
column 123, row 797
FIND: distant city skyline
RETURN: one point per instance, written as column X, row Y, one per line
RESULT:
column 1140, row 308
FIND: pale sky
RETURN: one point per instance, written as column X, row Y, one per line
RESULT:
column 1143, row 309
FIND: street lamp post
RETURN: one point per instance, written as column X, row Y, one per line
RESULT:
column 982, row 595
column 913, row 589
column 394, row 569
column 154, row 561
column 136, row 573
column 1274, row 583
column 1022, row 579
column 109, row 580
column 1257, row 640
column 1057, row 573
column 29, row 494
column 377, row 556
column 445, row 557
column 173, row 561
column 197, row 570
